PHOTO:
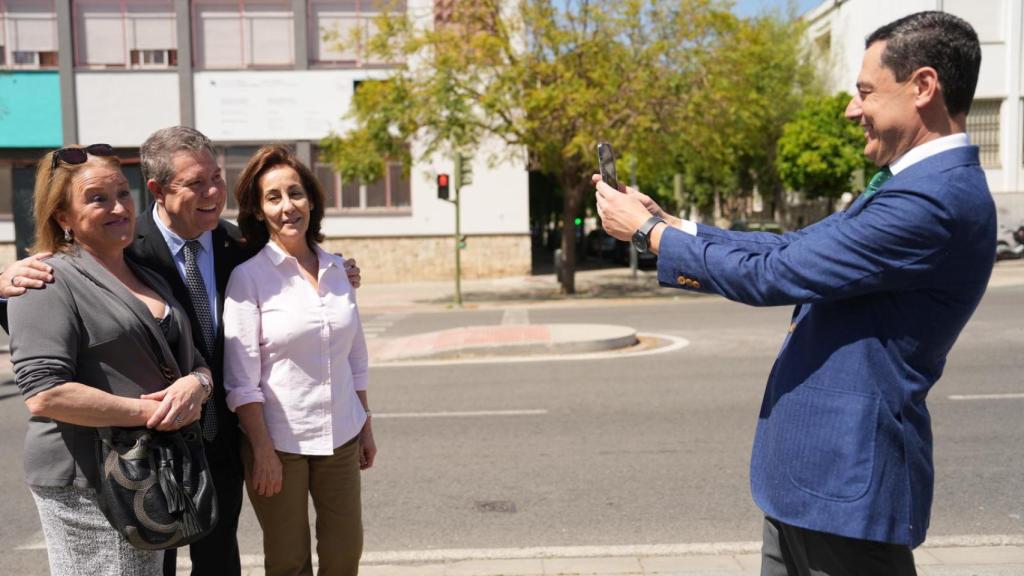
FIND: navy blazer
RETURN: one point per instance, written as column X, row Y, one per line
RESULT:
column 882, row 291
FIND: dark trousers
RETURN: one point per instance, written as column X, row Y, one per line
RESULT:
column 792, row 551
column 217, row 553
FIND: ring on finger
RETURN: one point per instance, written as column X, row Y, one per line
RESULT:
column 14, row 280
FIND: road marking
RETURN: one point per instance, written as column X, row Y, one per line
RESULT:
column 986, row 397
column 37, row 542
column 379, row 324
column 515, row 316
column 677, row 343
column 471, row 414
column 641, row 550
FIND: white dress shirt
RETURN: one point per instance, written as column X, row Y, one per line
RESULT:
column 204, row 261
column 298, row 350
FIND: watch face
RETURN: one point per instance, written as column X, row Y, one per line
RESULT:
column 640, row 242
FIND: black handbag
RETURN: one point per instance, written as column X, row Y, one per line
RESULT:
column 155, row 487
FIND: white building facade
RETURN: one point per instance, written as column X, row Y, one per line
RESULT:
column 245, row 73
column 837, row 30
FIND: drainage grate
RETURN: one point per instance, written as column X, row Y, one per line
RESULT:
column 500, row 506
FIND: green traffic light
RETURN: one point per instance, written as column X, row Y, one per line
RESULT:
column 579, row 221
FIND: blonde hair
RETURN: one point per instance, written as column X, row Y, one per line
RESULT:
column 53, row 196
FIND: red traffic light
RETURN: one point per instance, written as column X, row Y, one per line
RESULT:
column 442, row 186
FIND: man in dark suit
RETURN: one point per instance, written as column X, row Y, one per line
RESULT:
column 182, row 236
column 181, row 172
column 842, row 459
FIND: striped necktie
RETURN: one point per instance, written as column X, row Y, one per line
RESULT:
column 876, row 181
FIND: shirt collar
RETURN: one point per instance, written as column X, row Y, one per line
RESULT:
column 277, row 256
column 175, row 242
column 928, row 149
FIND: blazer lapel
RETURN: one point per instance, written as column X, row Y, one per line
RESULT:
column 99, row 275
column 150, row 250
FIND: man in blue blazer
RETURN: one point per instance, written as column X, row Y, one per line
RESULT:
column 842, row 459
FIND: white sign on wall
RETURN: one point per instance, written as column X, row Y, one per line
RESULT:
column 272, row 105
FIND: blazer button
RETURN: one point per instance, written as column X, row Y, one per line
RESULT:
column 696, row 284
column 682, row 280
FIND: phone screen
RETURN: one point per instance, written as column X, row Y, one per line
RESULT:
column 606, row 163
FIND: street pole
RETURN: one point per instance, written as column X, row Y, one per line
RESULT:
column 456, row 192
column 677, row 189
column 634, row 257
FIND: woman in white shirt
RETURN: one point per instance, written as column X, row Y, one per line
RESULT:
column 295, row 371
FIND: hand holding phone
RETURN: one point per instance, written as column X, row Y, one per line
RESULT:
column 606, row 164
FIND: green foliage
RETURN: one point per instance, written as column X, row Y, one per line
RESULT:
column 679, row 86
column 820, row 150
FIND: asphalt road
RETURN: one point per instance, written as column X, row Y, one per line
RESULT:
column 625, row 450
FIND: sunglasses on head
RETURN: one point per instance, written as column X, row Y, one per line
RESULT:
column 80, row 155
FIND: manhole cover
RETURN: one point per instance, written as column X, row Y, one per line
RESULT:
column 501, row 506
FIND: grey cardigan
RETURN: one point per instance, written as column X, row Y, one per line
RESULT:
column 87, row 327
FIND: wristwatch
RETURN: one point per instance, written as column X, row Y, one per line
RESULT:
column 204, row 382
column 642, row 237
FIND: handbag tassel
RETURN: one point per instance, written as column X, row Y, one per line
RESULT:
column 189, row 519
column 173, row 494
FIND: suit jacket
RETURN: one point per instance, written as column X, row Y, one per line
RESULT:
column 87, row 327
column 882, row 291
column 150, row 249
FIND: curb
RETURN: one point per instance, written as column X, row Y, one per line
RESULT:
column 988, row 555
column 504, row 340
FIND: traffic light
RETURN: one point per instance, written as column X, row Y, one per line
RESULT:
column 442, row 187
column 467, row 172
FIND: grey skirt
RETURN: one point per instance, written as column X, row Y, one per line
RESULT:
column 80, row 541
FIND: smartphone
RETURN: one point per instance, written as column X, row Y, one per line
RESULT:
column 606, row 163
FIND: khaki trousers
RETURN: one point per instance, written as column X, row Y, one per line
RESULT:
column 333, row 482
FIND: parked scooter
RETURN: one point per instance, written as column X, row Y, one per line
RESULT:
column 1007, row 250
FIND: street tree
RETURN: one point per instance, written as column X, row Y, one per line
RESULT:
column 548, row 79
column 820, row 151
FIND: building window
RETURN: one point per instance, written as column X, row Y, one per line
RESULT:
column 392, row 192
column 244, row 34
column 337, row 29
column 116, row 34
column 28, row 34
column 232, row 160
column 983, row 127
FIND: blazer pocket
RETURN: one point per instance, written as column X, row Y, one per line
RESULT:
column 829, row 441
column 103, row 330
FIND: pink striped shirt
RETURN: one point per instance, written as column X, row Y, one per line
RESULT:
column 298, row 350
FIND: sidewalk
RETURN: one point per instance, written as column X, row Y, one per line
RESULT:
column 606, row 286
column 989, row 556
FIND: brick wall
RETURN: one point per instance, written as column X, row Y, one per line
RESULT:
column 392, row 259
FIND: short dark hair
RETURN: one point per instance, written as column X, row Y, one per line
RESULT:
column 157, row 150
column 939, row 40
column 250, row 197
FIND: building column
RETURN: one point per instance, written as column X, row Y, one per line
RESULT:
column 186, row 98
column 66, row 72
column 1011, row 129
column 304, row 150
column 300, row 10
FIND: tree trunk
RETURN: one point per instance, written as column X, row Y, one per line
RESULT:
column 572, row 200
column 780, row 209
